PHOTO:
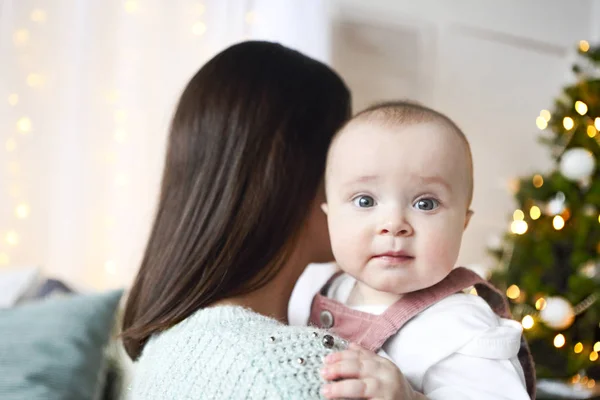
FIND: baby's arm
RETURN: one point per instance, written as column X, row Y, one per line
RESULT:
column 459, row 349
column 363, row 374
column 462, row 377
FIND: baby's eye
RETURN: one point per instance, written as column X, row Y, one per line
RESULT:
column 363, row 201
column 426, row 204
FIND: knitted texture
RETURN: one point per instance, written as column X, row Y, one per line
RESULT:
column 232, row 353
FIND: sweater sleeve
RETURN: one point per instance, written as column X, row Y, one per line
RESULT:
column 295, row 360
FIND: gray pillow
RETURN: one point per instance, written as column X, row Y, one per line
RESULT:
column 54, row 349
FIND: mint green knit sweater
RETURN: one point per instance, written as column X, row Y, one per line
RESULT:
column 232, row 353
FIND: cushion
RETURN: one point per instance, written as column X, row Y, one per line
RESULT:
column 54, row 349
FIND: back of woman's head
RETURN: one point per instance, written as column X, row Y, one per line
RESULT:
column 245, row 159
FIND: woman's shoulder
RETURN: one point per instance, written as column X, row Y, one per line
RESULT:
column 239, row 348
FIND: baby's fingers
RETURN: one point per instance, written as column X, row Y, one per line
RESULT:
column 350, row 368
column 354, row 351
column 352, row 389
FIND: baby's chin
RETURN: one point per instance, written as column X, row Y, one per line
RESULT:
column 401, row 285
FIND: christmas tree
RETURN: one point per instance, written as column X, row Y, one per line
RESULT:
column 549, row 262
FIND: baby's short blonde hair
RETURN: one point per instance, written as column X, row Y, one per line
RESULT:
column 404, row 112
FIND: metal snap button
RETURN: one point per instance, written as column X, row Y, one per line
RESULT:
column 326, row 318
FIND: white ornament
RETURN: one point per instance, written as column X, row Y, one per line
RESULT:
column 558, row 313
column 577, row 163
column 556, row 205
column 589, row 269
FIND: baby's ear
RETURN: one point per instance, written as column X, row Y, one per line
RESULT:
column 468, row 218
column 324, row 208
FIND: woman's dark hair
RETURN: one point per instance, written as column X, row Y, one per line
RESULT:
column 245, row 158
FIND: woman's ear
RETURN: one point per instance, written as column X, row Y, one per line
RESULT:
column 324, row 207
column 468, row 218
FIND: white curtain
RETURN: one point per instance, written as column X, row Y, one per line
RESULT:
column 87, row 89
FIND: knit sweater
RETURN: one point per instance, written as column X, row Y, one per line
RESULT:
column 231, row 352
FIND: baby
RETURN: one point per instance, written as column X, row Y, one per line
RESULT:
column 399, row 184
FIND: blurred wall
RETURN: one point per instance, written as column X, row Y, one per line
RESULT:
column 490, row 65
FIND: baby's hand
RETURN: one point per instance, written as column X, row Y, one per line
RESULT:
column 363, row 374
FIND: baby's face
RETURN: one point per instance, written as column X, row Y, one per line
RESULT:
column 397, row 203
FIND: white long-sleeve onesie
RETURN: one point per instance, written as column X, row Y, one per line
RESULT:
column 457, row 349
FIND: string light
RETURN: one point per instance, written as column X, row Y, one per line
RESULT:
column 14, row 168
column 591, row 131
column 576, row 379
column 518, row 215
column 34, row 80
column 584, row 45
column 38, row 15
column 21, row 37
column 568, row 123
column 24, row 124
column 581, row 107
column 527, row 322
column 545, row 114
column 11, row 145
column 251, row 17
column 199, row 28
column 4, row 260
column 112, row 96
column 120, row 116
column 541, row 123
column 12, row 238
column 566, row 214
column 121, row 179
column 591, row 383
column 13, row 99
column 584, row 380
column 597, row 347
column 14, row 191
column 538, row 181
column 540, row 304
column 593, row 356
column 559, row 341
column 131, row 6
column 513, row 292
column 22, row 211
column 535, row 212
column 110, row 222
column 558, row 222
column 120, row 135
column 519, row 227
column 578, row 348
column 200, row 8
column 110, row 267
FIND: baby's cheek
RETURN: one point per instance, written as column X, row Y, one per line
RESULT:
column 442, row 250
column 345, row 240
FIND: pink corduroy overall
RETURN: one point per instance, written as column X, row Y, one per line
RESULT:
column 372, row 331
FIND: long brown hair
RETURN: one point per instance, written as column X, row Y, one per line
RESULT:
column 246, row 155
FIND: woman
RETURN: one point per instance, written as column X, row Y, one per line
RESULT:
column 237, row 222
